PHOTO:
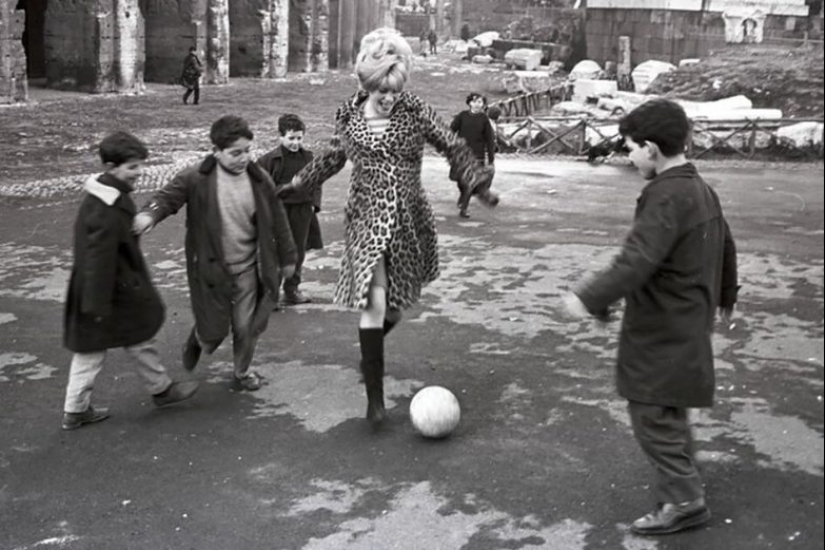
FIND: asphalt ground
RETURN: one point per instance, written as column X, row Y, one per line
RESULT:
column 543, row 457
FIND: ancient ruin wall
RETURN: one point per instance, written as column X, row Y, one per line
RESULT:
column 13, row 81
column 247, row 22
column 95, row 45
column 172, row 27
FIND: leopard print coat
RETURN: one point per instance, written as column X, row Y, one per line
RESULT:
column 387, row 213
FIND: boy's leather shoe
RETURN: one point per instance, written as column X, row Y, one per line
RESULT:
column 671, row 518
column 72, row 421
column 296, row 297
column 175, row 393
column 191, row 352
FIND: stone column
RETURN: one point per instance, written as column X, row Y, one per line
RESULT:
column 386, row 13
column 346, row 33
column 217, row 42
column 332, row 37
column 118, row 48
column 319, row 59
column 275, row 29
column 13, row 77
column 362, row 23
column 458, row 17
column 300, row 35
column 130, row 54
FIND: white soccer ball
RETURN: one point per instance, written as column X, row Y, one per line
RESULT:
column 435, row 412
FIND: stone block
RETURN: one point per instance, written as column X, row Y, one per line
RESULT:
column 584, row 88
column 523, row 59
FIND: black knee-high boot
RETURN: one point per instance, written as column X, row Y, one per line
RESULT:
column 372, row 368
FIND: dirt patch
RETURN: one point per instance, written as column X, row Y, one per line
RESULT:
column 790, row 79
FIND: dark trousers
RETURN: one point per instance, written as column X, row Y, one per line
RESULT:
column 189, row 91
column 665, row 436
column 300, row 218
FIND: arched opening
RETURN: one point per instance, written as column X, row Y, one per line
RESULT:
column 749, row 31
column 34, row 43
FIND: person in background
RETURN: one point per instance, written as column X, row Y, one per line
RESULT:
column 474, row 127
column 282, row 163
column 190, row 78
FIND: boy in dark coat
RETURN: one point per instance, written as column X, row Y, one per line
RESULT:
column 474, row 127
column 111, row 301
column 676, row 268
column 238, row 245
column 282, row 163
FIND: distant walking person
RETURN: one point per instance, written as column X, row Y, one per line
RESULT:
column 432, row 38
column 190, row 78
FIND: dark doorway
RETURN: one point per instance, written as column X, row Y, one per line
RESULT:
column 34, row 42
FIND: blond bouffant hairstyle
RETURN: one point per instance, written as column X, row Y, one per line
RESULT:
column 384, row 60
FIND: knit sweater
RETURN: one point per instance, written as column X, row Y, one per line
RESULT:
column 237, row 209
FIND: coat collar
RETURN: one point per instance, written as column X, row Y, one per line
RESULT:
column 106, row 193
column 210, row 163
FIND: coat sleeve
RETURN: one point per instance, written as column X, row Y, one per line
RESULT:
column 100, row 263
column 317, row 195
column 327, row 163
column 267, row 162
column 462, row 161
column 455, row 125
column 652, row 237
column 730, row 277
column 169, row 199
column 287, row 253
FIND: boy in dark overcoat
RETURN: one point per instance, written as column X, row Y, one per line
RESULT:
column 238, row 246
column 282, row 163
column 111, row 301
column 676, row 268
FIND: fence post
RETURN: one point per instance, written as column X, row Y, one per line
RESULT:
column 690, row 139
column 752, row 139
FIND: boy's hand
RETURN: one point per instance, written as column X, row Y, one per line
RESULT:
column 142, row 223
column 726, row 313
column 284, row 189
column 574, row 306
column 288, row 271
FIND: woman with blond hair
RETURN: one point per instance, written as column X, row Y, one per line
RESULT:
column 390, row 249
